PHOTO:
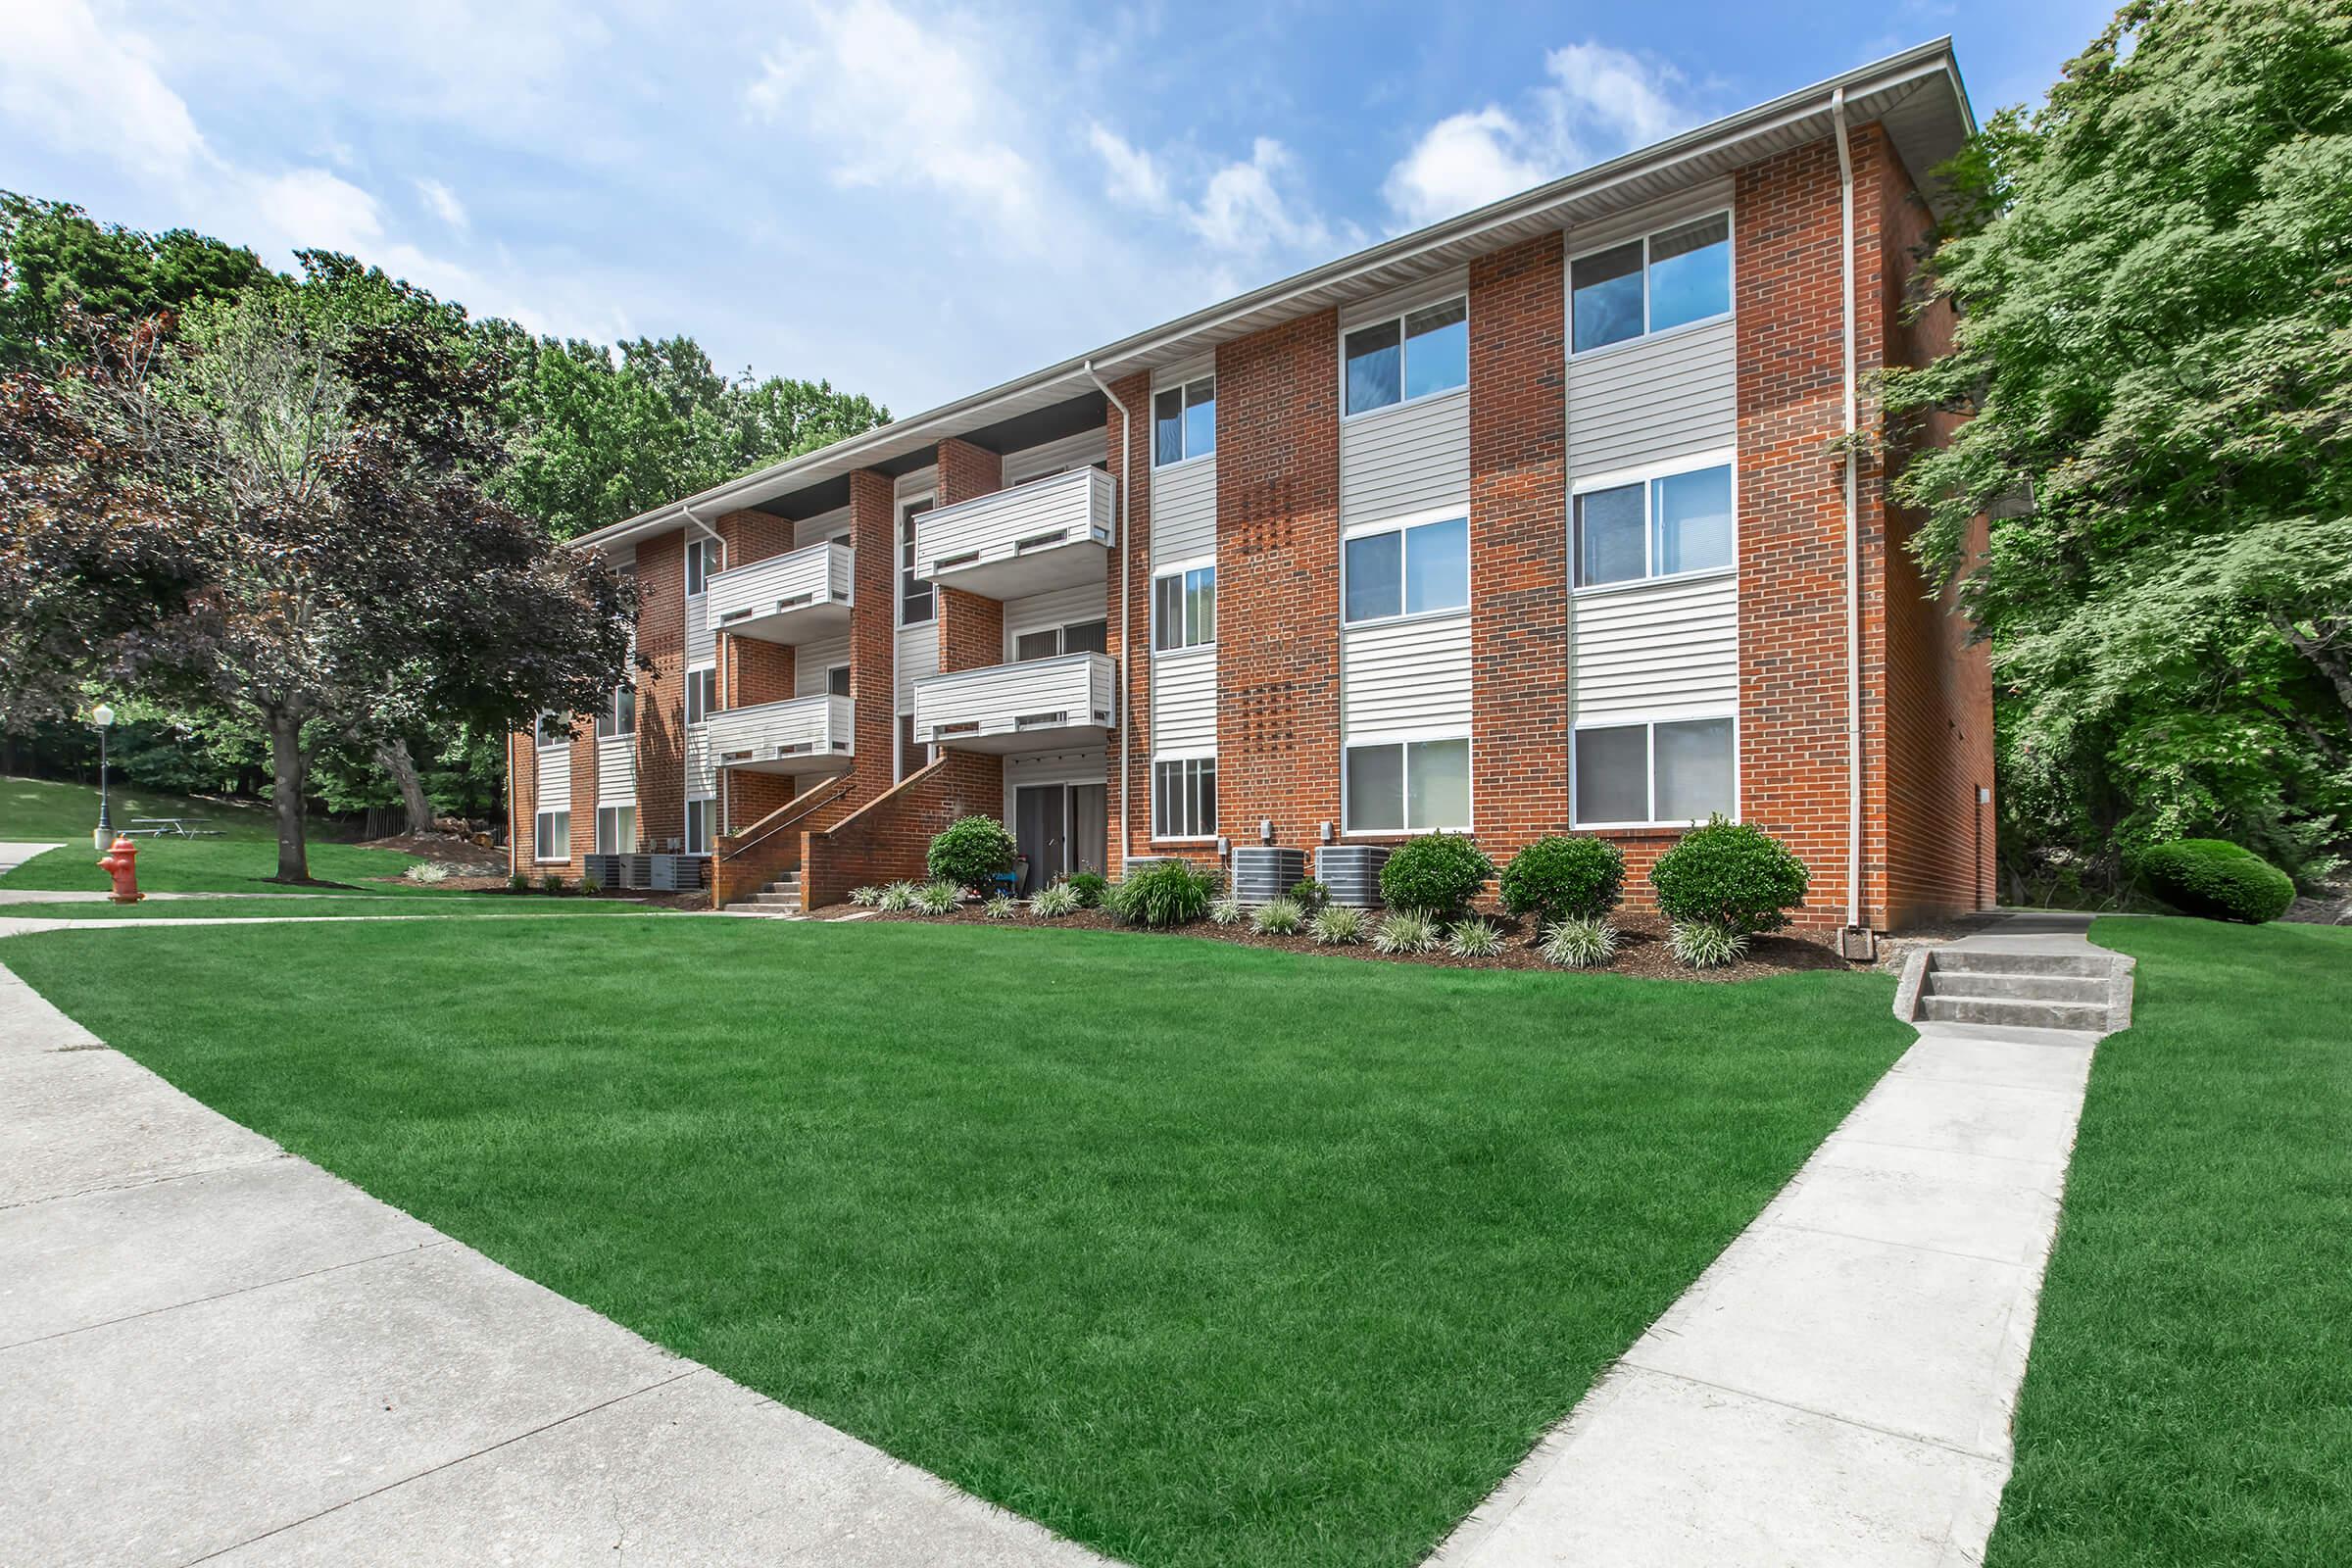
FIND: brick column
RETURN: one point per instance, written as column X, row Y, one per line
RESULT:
column 523, row 798
column 1278, row 581
column 1518, row 546
column 1130, row 563
column 873, row 631
column 971, row 626
column 662, row 692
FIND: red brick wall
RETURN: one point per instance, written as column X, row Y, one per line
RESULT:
column 1278, row 581
column 1939, row 838
column 662, row 692
column 888, row 839
column 873, row 635
column 1518, row 547
column 1131, row 562
column 1792, row 658
column 971, row 626
column 522, row 790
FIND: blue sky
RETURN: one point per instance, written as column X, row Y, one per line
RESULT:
column 911, row 200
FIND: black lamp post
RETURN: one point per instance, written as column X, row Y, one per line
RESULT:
column 103, row 717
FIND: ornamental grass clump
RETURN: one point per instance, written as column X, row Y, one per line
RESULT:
column 938, row 898
column 1227, row 911
column 865, row 898
column 1730, row 875
column 1001, row 907
column 1563, row 878
column 896, row 899
column 553, row 882
column 1579, row 943
column 1171, row 892
column 1052, row 902
column 1474, row 938
column 2217, row 880
column 1705, row 945
column 1338, row 925
column 1438, row 873
column 1278, row 917
column 1405, row 931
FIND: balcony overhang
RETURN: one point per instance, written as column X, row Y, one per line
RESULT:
column 802, row 596
column 799, row 735
column 1005, row 710
column 1049, row 533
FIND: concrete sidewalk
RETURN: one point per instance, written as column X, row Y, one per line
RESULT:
column 1835, row 1390
column 14, row 853
column 211, row 1350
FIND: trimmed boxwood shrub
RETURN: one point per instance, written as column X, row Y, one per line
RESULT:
column 1090, row 886
column 1563, row 878
column 967, row 853
column 1732, row 875
column 1437, row 875
column 1171, row 892
column 2218, row 880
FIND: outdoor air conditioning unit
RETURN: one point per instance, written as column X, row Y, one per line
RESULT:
column 636, row 870
column 1353, row 872
column 1263, row 873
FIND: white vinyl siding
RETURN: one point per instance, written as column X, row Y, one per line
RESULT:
column 1653, row 400
column 701, row 642
column 919, row 656
column 1649, row 649
column 812, row 660
column 1183, row 511
column 554, row 783
column 702, row 777
column 1184, row 701
column 1085, row 448
column 616, row 772
column 1056, row 607
column 1414, row 457
column 1406, row 675
column 834, row 524
column 1008, row 698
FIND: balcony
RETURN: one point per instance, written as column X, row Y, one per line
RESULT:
column 1055, row 532
column 792, row 598
column 1036, row 706
column 800, row 735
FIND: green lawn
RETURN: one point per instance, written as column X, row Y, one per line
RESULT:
column 1199, row 1254
column 2190, row 1399
column 48, row 808
column 281, row 906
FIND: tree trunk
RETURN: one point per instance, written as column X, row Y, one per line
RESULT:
column 2324, row 656
column 286, row 768
column 392, row 757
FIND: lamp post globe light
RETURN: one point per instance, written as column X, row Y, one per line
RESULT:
column 103, row 717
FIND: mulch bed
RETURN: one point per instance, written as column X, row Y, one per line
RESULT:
column 1642, row 950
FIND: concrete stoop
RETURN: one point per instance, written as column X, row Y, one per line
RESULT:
column 780, row 897
column 2088, row 992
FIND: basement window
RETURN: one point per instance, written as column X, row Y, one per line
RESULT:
column 1406, row 786
column 1184, row 798
column 1655, row 774
column 551, row 837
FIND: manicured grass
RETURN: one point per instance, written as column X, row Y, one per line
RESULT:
column 1199, row 1254
column 2190, row 1399
column 38, row 809
column 281, row 906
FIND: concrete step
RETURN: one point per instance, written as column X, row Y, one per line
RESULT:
column 1942, row 982
column 775, row 900
column 1968, row 960
column 2015, row 1012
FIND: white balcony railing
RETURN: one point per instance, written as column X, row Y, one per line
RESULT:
column 792, row 598
column 1044, row 703
column 799, row 735
column 1055, row 532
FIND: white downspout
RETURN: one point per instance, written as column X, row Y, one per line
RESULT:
column 1126, row 568
column 1853, row 547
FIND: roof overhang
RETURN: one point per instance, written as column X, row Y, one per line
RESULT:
column 1917, row 95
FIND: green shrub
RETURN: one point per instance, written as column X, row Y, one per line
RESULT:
column 553, row 882
column 1227, row 911
column 1278, row 917
column 1439, row 873
column 1052, row 902
column 1000, row 907
column 1168, row 893
column 1474, row 938
column 521, row 882
column 968, row 851
column 1310, row 895
column 1730, row 875
column 1338, row 925
column 896, row 899
column 2217, row 880
column 865, row 898
column 1405, row 931
column 1565, row 878
column 1090, row 886
column 938, row 898
column 1580, row 942
column 1706, row 943
column 589, row 884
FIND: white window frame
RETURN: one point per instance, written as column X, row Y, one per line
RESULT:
column 708, row 707
column 618, row 848
column 1181, row 570
column 709, row 806
column 905, row 565
column 1646, row 476
column 1406, row 738
column 1181, row 386
column 539, row 740
column 828, row 689
column 703, row 549
column 1180, row 759
column 563, row 841
column 1348, row 329
column 1649, row 722
column 1403, row 525
column 612, row 711
column 1731, row 266
column 1061, row 633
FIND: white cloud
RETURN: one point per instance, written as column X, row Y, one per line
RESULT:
column 93, row 88
column 1131, row 175
column 443, row 201
column 1243, row 209
column 1595, row 102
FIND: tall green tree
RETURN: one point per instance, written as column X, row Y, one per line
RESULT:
column 2154, row 349
column 53, row 255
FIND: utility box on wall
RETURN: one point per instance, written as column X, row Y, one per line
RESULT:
column 1353, row 872
column 1263, row 873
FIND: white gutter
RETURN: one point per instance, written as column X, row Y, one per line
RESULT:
column 1126, row 571
column 1853, row 550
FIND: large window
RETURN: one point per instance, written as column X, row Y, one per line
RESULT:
column 1662, row 527
column 1658, row 773
column 699, row 816
column 1415, row 354
column 550, row 838
column 1184, row 798
column 1184, row 421
column 552, row 730
column 618, row 715
column 1407, row 786
column 701, row 560
column 915, row 594
column 1667, row 280
column 1051, row 642
column 702, row 693
column 1414, row 570
column 616, row 829
column 1184, row 608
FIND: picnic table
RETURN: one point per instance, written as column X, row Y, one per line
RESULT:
column 178, row 827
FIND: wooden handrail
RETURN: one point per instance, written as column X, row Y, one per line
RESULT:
column 783, row 816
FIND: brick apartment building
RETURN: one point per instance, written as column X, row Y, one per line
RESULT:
column 1566, row 515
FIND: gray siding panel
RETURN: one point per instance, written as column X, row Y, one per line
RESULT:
column 1184, row 512
column 1658, row 651
column 1411, row 458
column 553, row 771
column 1412, row 674
column 1183, row 702
column 1649, row 402
column 702, row 642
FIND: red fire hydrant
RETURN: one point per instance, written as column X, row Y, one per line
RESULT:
column 122, row 863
